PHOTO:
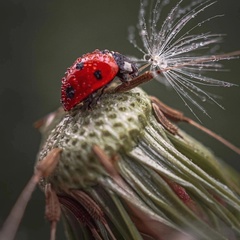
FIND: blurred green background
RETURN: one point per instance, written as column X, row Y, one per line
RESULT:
column 40, row 39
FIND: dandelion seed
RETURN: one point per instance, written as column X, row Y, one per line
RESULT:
column 175, row 50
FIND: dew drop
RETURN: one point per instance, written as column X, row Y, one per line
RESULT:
column 143, row 32
column 226, row 84
column 147, row 57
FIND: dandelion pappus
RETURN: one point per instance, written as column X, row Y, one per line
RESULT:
column 177, row 56
column 92, row 72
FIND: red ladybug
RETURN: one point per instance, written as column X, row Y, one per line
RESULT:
column 91, row 72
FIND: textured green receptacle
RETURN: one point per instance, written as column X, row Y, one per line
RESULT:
column 173, row 186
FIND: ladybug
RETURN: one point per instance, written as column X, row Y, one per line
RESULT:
column 94, row 71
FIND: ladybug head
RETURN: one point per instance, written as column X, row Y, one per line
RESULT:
column 127, row 68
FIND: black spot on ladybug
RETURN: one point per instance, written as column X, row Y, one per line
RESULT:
column 80, row 66
column 98, row 74
column 70, row 92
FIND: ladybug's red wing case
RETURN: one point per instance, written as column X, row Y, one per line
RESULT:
column 93, row 71
column 88, row 74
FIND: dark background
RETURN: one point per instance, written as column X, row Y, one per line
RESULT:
column 40, row 39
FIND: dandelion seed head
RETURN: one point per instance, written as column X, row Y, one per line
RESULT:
column 170, row 44
column 156, row 61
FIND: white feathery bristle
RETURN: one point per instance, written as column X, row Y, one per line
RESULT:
column 183, row 58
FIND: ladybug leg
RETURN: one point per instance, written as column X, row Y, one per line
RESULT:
column 52, row 209
column 94, row 98
column 101, row 92
column 124, row 77
column 88, row 102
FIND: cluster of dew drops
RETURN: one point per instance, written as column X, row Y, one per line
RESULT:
column 183, row 57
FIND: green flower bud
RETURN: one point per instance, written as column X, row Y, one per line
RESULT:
column 148, row 184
